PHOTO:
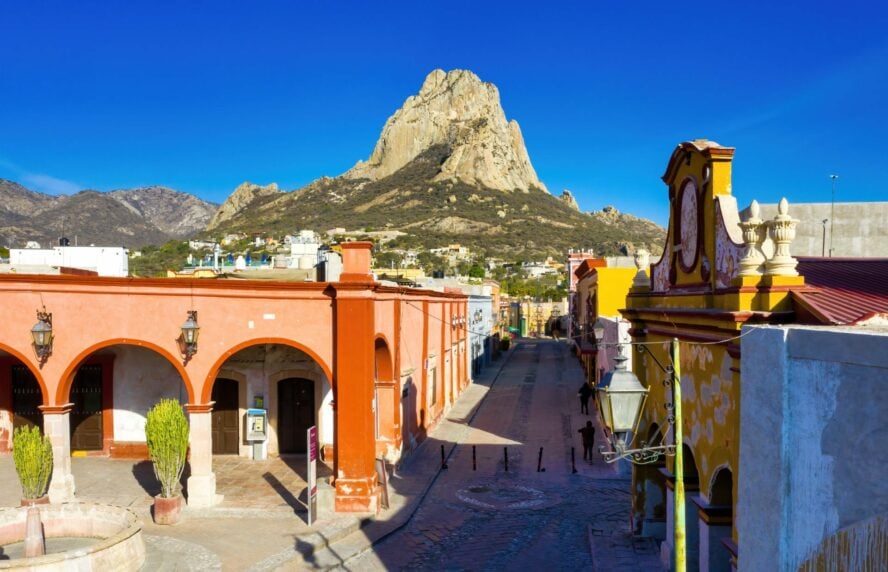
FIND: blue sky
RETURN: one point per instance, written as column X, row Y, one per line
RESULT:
column 201, row 96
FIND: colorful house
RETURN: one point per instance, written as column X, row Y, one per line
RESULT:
column 601, row 293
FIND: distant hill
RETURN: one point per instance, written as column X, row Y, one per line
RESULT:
column 448, row 167
column 127, row 217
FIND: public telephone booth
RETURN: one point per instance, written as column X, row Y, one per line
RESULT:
column 257, row 432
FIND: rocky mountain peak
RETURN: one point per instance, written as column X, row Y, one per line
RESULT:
column 242, row 196
column 569, row 200
column 460, row 111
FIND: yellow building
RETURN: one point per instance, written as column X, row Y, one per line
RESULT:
column 193, row 273
column 601, row 293
column 710, row 281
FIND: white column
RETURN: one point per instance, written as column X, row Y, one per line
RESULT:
column 202, row 482
column 57, row 425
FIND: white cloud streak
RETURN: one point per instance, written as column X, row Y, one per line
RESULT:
column 38, row 181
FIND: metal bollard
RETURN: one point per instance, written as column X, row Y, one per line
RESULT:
column 573, row 460
column 443, row 460
column 474, row 463
column 540, row 468
column 506, row 457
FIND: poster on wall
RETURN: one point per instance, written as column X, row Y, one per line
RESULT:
column 312, row 448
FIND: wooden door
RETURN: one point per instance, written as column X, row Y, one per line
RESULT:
column 226, row 429
column 296, row 413
column 26, row 399
column 86, row 415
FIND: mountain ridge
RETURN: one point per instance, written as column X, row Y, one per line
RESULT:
column 127, row 217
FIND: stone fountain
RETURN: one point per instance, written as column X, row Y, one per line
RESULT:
column 73, row 536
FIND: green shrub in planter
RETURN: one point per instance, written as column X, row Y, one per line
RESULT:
column 166, row 431
column 32, row 453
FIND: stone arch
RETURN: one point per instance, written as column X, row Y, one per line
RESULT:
column 721, row 488
column 692, row 523
column 650, row 508
column 384, row 368
column 35, row 371
column 689, row 463
column 67, row 378
column 386, row 392
column 214, row 370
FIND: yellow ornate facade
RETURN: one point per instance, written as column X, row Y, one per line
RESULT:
column 697, row 295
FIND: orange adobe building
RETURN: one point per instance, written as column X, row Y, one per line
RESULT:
column 374, row 367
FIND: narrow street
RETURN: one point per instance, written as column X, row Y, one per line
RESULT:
column 494, row 518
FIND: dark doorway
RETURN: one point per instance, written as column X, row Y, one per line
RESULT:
column 296, row 413
column 226, row 436
column 26, row 399
column 86, row 415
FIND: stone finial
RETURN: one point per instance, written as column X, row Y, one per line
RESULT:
column 753, row 236
column 755, row 211
column 782, row 229
column 642, row 262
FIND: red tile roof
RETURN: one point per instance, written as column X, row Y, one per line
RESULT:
column 846, row 290
column 588, row 265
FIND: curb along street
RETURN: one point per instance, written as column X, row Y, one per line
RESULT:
column 316, row 549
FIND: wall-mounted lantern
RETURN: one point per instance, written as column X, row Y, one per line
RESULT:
column 598, row 332
column 190, row 331
column 41, row 335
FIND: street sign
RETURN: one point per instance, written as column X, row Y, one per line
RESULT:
column 312, row 435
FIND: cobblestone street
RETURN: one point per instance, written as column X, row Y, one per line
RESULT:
column 492, row 518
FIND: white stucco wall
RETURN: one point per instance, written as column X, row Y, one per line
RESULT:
column 141, row 379
column 813, row 426
column 106, row 260
column 258, row 372
column 861, row 229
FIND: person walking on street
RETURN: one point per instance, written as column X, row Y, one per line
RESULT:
column 588, row 433
column 585, row 393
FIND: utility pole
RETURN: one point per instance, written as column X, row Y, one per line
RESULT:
column 678, row 504
column 832, row 214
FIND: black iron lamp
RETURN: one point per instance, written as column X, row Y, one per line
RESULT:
column 621, row 398
column 41, row 335
column 190, row 331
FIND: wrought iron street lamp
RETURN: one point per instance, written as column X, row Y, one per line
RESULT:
column 190, row 331
column 41, row 334
column 621, row 399
column 598, row 332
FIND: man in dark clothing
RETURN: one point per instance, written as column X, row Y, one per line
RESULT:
column 585, row 393
column 588, row 433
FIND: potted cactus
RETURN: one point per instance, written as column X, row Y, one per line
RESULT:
column 32, row 454
column 166, row 432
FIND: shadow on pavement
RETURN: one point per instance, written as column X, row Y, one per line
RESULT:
column 295, row 503
column 143, row 471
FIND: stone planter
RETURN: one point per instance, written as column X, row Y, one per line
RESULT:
column 167, row 510
column 28, row 502
column 504, row 345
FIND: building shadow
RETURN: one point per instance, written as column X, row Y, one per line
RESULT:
column 143, row 471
